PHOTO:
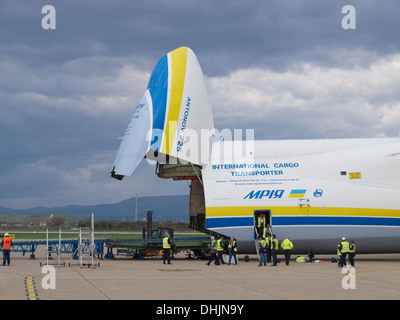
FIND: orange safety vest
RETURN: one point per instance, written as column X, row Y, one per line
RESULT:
column 6, row 243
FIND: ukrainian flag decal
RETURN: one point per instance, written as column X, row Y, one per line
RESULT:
column 297, row 193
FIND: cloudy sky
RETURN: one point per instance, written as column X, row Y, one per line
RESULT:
column 284, row 68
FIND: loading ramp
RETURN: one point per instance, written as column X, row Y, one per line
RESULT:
column 65, row 246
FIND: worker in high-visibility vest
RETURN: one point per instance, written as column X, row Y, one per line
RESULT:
column 220, row 250
column 339, row 246
column 275, row 247
column 352, row 252
column 167, row 249
column 262, row 251
column 232, row 247
column 344, row 250
column 287, row 247
column 261, row 224
column 269, row 248
column 267, row 231
column 213, row 251
column 6, row 244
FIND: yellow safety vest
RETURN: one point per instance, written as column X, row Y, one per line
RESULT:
column 352, row 247
column 259, row 224
column 213, row 246
column 263, row 244
column 269, row 241
column 166, row 245
column 338, row 250
column 276, row 244
column 287, row 244
column 219, row 245
column 234, row 246
column 345, row 247
column 266, row 231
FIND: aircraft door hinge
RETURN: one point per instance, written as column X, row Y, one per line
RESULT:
column 304, row 202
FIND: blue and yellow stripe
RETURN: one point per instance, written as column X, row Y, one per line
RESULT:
column 297, row 193
column 219, row 217
column 166, row 84
column 158, row 88
column 178, row 74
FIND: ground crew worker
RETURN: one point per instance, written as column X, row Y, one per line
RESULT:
column 232, row 250
column 220, row 250
column 287, row 247
column 262, row 251
column 167, row 248
column 213, row 250
column 6, row 244
column 261, row 223
column 345, row 249
column 310, row 257
column 269, row 249
column 266, row 231
column 338, row 248
column 352, row 252
column 275, row 247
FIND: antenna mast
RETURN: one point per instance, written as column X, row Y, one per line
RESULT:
column 136, row 209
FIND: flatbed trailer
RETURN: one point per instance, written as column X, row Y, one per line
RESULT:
column 141, row 248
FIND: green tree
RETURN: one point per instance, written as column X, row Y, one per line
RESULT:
column 57, row 221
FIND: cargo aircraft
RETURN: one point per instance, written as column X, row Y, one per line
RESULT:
column 313, row 191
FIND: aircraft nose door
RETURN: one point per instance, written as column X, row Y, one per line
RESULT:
column 135, row 142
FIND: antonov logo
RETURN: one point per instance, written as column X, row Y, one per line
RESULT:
column 181, row 137
column 270, row 194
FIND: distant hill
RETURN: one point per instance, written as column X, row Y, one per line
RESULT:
column 166, row 208
column 26, row 219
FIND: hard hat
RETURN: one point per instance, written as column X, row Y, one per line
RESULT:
column 6, row 234
column 343, row 238
column 262, row 215
column 351, row 239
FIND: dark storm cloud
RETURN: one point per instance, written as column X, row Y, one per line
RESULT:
column 225, row 34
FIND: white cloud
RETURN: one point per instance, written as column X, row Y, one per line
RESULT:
column 82, row 180
column 65, row 96
column 72, row 165
column 93, row 86
column 327, row 101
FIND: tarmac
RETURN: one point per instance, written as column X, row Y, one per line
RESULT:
column 376, row 277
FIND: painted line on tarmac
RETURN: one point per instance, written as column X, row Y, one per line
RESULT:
column 88, row 281
column 361, row 278
column 29, row 284
column 377, row 280
column 30, row 287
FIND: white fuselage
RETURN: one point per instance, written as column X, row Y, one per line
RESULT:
column 316, row 192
